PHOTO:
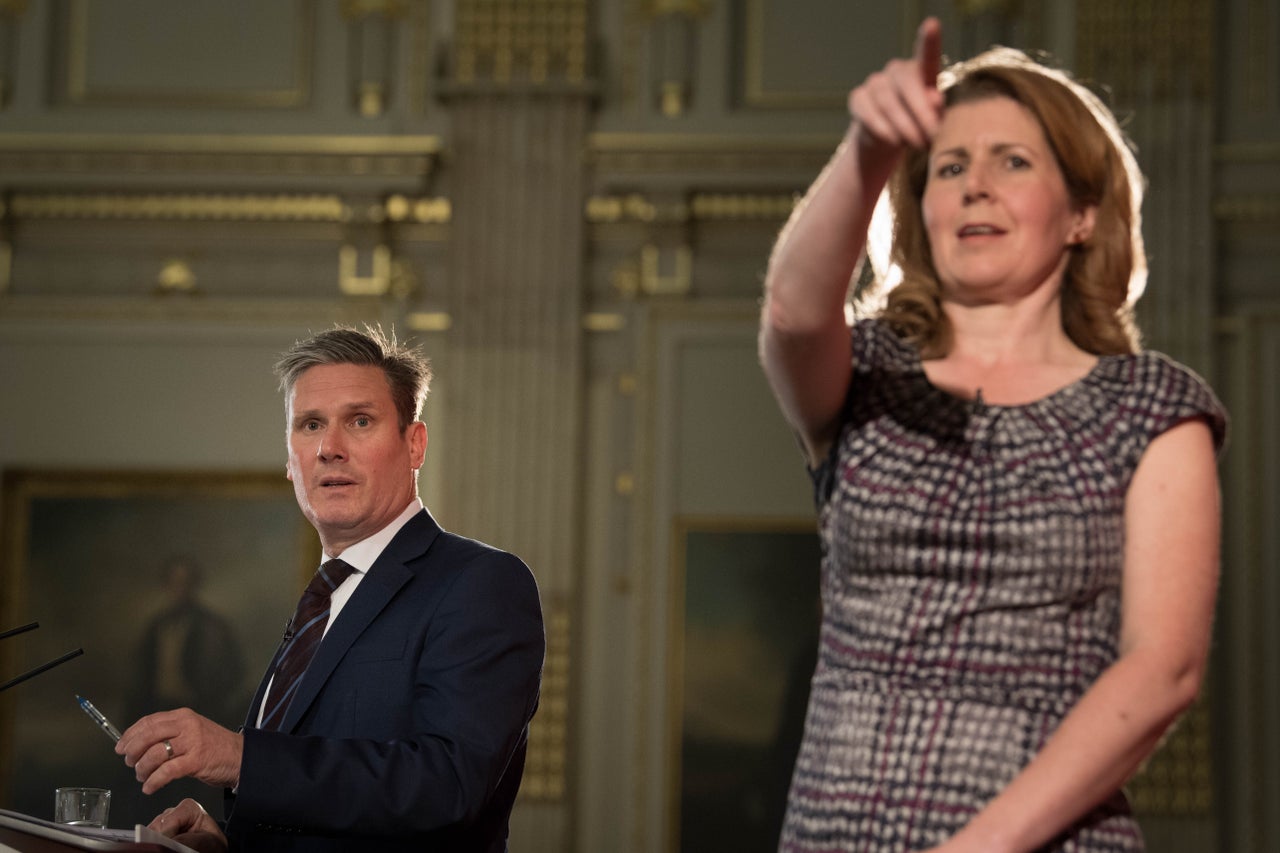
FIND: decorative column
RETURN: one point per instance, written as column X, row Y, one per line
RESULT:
column 1157, row 58
column 519, row 100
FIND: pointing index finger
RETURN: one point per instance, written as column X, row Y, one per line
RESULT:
column 928, row 51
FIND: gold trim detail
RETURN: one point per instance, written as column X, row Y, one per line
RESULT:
column 429, row 321
column 429, row 211
column 602, row 321
column 230, row 208
column 377, row 283
column 520, row 41
column 546, row 758
column 655, row 282
column 742, row 206
column 368, row 158
column 316, row 208
column 196, row 143
column 702, row 207
column 176, row 276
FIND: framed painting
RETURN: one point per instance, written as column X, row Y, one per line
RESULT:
column 176, row 586
column 744, row 620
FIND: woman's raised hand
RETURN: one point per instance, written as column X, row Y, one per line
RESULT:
column 901, row 106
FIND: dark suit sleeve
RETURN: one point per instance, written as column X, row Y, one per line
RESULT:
column 474, row 661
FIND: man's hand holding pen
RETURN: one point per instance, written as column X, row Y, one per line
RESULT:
column 173, row 744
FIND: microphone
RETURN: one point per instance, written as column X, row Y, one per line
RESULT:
column 42, row 667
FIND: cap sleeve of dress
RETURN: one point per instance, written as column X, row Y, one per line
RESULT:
column 1164, row 394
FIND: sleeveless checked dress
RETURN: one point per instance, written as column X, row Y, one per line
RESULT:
column 971, row 592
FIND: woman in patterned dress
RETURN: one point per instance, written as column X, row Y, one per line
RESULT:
column 1018, row 505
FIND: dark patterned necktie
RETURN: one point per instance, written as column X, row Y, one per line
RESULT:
column 301, row 639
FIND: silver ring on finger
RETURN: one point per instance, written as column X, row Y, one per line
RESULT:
column 168, row 750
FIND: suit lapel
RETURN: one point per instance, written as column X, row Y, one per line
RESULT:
column 380, row 584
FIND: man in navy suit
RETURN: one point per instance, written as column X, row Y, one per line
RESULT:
column 409, row 727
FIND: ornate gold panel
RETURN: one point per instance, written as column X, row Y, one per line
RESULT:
column 520, row 41
column 545, row 762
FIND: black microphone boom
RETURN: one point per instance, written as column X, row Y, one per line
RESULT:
column 42, row 667
column 19, row 630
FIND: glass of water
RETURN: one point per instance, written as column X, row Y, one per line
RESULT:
column 82, row 806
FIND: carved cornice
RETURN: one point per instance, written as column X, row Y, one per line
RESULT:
column 701, row 207
column 633, row 154
column 25, row 310
column 300, row 156
column 1244, row 208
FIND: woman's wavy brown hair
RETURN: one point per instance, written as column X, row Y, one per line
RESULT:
column 1105, row 274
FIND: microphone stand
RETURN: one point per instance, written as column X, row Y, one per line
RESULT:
column 42, row 667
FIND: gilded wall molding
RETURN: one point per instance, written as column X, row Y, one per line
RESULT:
column 228, row 208
column 642, row 154
column 180, row 206
column 520, row 42
column 164, row 312
column 546, row 760
column 700, row 207
column 365, row 158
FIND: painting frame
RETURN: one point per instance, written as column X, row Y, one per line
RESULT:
column 708, row 617
column 90, row 555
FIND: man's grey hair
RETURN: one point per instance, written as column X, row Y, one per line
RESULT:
column 407, row 370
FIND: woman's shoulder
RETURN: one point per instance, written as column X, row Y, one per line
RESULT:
column 877, row 346
column 1160, row 392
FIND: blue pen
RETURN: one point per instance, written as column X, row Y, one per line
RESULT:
column 96, row 716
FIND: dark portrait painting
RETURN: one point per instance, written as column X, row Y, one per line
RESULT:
column 745, row 619
column 175, row 585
